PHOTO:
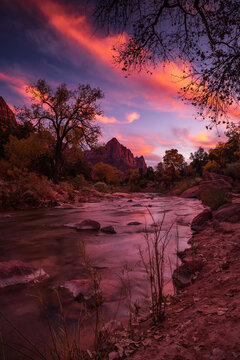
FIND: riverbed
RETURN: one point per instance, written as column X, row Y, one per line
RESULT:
column 41, row 237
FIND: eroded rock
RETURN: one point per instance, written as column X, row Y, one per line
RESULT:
column 200, row 221
column 16, row 272
column 108, row 230
column 227, row 212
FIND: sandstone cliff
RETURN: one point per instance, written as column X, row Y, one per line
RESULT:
column 115, row 154
column 7, row 117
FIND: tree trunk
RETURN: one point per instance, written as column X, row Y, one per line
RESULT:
column 58, row 164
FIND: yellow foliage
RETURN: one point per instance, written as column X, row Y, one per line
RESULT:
column 21, row 153
column 211, row 166
column 107, row 173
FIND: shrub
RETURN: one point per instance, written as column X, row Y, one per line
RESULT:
column 101, row 186
column 233, row 170
column 78, row 182
column 185, row 184
column 214, row 197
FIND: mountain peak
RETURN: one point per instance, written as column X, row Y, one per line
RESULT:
column 116, row 154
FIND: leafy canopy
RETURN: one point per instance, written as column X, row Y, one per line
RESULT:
column 68, row 114
column 204, row 34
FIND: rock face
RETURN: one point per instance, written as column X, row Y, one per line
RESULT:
column 210, row 181
column 228, row 212
column 115, row 154
column 7, row 117
column 16, row 272
column 200, row 221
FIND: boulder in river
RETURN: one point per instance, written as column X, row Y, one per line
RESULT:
column 82, row 290
column 85, row 225
column 200, row 221
column 134, row 223
column 108, row 230
column 15, row 272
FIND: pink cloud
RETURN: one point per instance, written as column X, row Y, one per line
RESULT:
column 138, row 145
column 160, row 90
column 132, row 117
column 205, row 139
column 18, row 84
column 106, row 119
column 112, row 120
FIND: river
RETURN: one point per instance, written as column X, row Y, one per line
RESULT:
column 41, row 238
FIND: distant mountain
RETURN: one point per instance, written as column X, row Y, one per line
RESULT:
column 115, row 154
column 7, row 118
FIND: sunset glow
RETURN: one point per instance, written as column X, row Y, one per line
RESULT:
column 134, row 107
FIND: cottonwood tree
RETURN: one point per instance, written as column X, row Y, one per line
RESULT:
column 68, row 114
column 204, row 34
column 173, row 163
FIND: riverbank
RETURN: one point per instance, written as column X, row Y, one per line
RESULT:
column 203, row 320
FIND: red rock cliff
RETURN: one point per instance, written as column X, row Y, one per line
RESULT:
column 115, row 154
column 7, row 117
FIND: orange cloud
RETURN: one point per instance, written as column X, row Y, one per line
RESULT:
column 132, row 117
column 106, row 120
column 158, row 90
column 77, row 29
column 203, row 139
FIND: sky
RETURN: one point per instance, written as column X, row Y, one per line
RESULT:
column 58, row 41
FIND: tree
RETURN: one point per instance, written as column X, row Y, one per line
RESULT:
column 68, row 114
column 204, row 34
column 173, row 163
column 107, row 173
column 28, row 153
column 199, row 159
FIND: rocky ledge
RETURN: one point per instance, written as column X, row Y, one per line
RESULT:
column 203, row 319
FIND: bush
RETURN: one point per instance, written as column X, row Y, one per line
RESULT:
column 214, row 197
column 101, row 186
column 185, row 184
column 78, row 182
column 233, row 170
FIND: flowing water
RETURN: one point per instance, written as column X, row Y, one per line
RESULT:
column 40, row 238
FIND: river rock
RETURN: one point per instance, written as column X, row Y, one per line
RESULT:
column 108, row 230
column 81, row 289
column 16, row 272
column 134, row 223
column 199, row 222
column 85, row 225
column 227, row 212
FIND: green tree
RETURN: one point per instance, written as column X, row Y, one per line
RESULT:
column 199, row 159
column 68, row 114
column 203, row 33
